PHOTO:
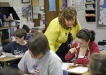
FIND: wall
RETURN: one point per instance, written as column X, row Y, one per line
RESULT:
column 18, row 3
column 90, row 25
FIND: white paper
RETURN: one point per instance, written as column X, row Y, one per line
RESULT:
column 36, row 9
column 65, row 65
column 2, row 56
column 9, row 54
column 35, row 16
column 78, row 70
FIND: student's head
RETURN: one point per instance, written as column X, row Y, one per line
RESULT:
column 68, row 17
column 97, row 64
column 9, row 71
column 20, row 35
column 26, row 28
column 38, row 45
column 84, row 36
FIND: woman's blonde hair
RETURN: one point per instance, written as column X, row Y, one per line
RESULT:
column 68, row 14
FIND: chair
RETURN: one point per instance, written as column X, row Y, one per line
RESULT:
column 65, row 72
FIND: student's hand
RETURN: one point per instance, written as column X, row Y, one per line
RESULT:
column 25, row 74
column 72, row 64
column 37, row 72
column 72, row 50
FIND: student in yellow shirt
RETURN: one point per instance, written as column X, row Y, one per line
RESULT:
column 62, row 30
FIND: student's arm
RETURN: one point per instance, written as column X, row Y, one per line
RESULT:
column 83, row 61
column 94, row 48
column 22, row 64
column 55, row 67
column 7, row 48
column 71, row 53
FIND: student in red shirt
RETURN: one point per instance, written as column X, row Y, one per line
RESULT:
column 83, row 47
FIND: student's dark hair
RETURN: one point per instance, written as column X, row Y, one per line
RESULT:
column 38, row 44
column 68, row 13
column 26, row 28
column 97, row 64
column 20, row 33
column 86, row 35
column 9, row 71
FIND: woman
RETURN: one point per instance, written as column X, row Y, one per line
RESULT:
column 62, row 30
column 83, row 47
column 97, row 64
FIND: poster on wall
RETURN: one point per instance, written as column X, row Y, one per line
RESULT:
column 35, row 3
column 26, row 11
column 78, row 4
column 52, row 5
column 41, row 2
column 101, row 14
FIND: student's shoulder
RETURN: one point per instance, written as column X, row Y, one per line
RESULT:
column 13, row 42
column 93, row 44
column 27, row 53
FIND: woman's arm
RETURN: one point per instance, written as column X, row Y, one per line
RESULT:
column 52, row 33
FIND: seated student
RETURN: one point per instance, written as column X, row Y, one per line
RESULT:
column 27, row 30
column 97, row 64
column 83, row 47
column 17, row 47
column 9, row 71
column 39, row 59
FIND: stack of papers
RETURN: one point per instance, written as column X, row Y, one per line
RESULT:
column 9, row 54
column 78, row 70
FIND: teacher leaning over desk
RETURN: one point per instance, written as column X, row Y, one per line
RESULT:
column 62, row 30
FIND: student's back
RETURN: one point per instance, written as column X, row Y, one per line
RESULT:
column 9, row 71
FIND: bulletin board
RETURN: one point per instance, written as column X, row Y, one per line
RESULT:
column 101, row 13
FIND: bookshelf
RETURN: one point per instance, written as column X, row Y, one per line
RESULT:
column 7, row 23
column 90, row 10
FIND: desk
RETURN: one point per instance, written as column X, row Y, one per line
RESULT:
column 86, row 73
column 6, row 59
column 77, row 73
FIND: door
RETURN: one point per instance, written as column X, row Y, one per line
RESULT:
column 50, row 15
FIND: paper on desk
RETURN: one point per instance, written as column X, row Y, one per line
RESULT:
column 2, row 56
column 78, row 70
column 9, row 54
column 65, row 65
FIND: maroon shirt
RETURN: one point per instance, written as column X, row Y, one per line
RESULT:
column 93, row 48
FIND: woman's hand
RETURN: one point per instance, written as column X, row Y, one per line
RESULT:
column 72, row 50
